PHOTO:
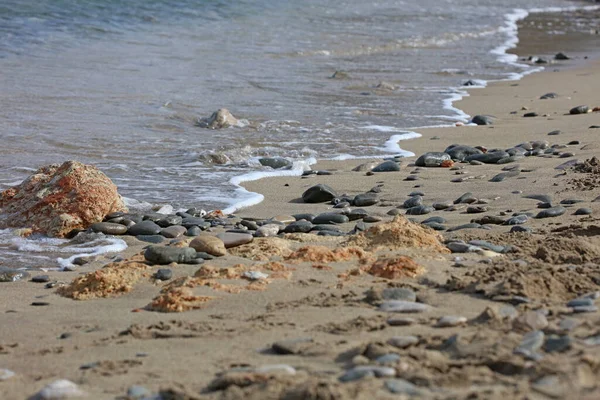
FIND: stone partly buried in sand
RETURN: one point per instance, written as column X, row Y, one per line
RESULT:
column 59, row 198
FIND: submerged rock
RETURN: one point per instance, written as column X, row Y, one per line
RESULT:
column 57, row 199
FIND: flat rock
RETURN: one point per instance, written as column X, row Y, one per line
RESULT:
column 165, row 255
column 365, row 200
column 420, row 210
column 275, row 162
column 403, row 342
column 209, row 244
column 173, row 232
column 231, row 239
column 267, row 230
column 330, row 218
column 109, row 228
column 292, row 346
column 551, row 212
column 401, row 306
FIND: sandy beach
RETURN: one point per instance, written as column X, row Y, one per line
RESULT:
column 484, row 324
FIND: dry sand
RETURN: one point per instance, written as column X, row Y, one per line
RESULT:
column 113, row 343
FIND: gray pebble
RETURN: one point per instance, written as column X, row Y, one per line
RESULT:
column 40, row 279
column 163, row 274
column 403, row 342
column 557, row 344
column 583, row 211
column 450, row 321
column 420, row 210
column 401, row 306
column 530, row 344
column 551, row 212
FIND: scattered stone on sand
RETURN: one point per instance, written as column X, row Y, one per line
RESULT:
column 387, row 166
column 59, row 198
column 433, row 159
column 319, row 194
column 13, row 275
column 579, row 110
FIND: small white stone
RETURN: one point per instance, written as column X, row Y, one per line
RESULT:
column 6, row 374
column 255, row 275
column 60, row 389
column 276, row 368
column 450, row 320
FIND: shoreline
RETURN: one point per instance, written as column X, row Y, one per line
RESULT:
column 487, row 324
column 508, row 52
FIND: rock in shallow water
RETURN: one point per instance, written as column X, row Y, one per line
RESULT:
column 59, row 198
column 482, row 120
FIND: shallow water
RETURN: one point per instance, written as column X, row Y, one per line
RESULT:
column 120, row 84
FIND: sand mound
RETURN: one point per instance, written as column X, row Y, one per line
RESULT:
column 395, row 268
column 262, row 249
column 322, row 254
column 113, row 280
column 591, row 180
column 537, row 280
column 177, row 299
column 397, row 234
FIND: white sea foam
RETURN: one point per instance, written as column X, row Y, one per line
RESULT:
column 93, row 248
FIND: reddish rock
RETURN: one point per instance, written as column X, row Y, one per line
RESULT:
column 59, row 198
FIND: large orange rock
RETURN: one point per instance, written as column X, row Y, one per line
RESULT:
column 59, row 198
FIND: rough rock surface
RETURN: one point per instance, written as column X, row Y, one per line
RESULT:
column 221, row 118
column 59, row 198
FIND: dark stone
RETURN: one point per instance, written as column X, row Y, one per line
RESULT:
column 387, row 166
column 503, row 175
column 299, row 226
column 464, row 226
column 40, row 279
column 520, row 229
column 420, row 210
column 166, row 255
column 357, row 213
column 305, row 216
column 144, row 228
column 365, row 200
column 554, row 133
column 330, row 218
column 319, row 194
column 482, row 120
column 195, row 221
column 466, row 198
column 439, row 220
column 193, row 231
column 169, row 221
column 488, row 158
column 432, row 159
column 413, row 202
column 460, row 152
column 109, row 228
column 583, row 211
column 530, row 114
column 548, row 96
column 561, row 56
column 579, row 110
column 151, row 238
column 163, row 274
column 557, row 344
column 551, row 212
